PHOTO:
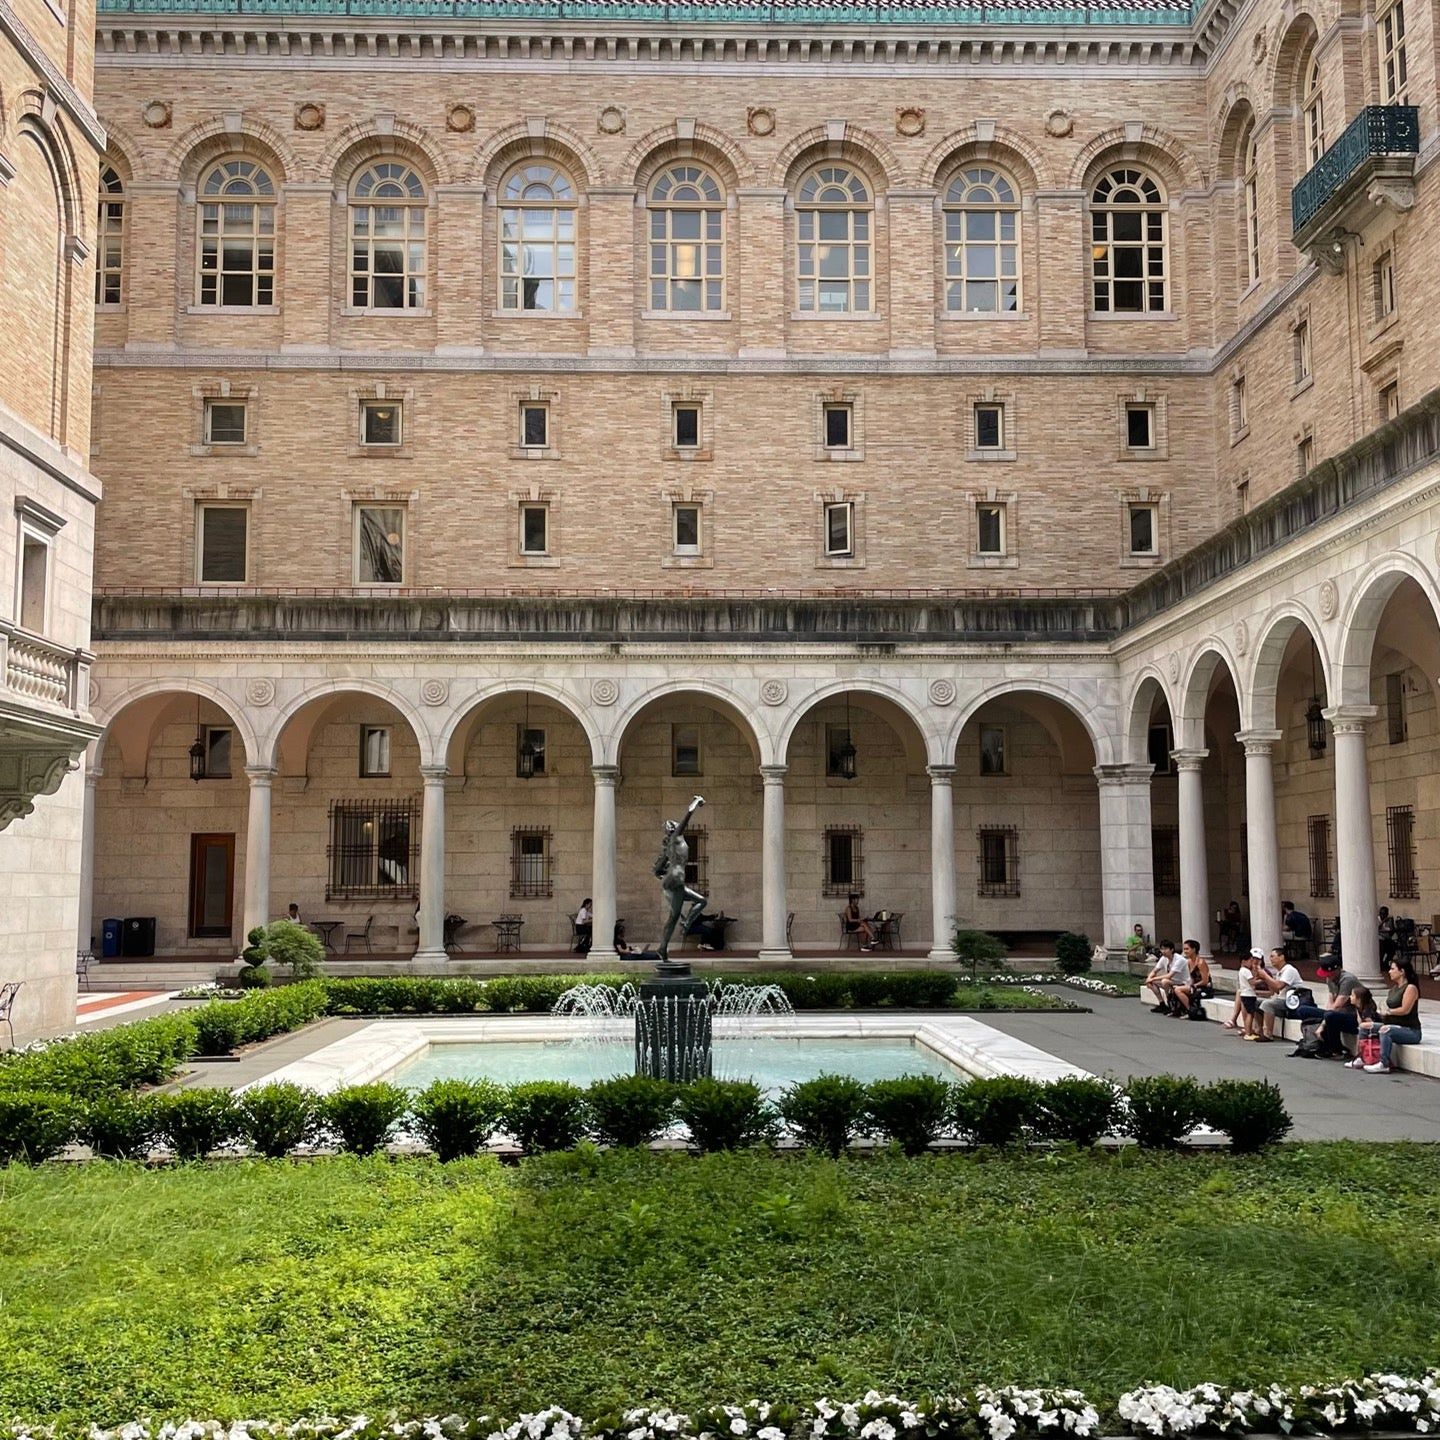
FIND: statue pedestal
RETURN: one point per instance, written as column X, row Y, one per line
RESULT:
column 672, row 1027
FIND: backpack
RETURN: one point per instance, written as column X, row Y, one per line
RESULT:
column 1370, row 1049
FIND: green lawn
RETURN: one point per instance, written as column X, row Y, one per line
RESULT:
column 594, row 1281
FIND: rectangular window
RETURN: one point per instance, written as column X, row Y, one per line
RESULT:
column 685, row 750
column 374, row 751
column 373, row 849
column 844, row 870
column 687, row 427
column 989, row 427
column 534, row 529
column 535, row 426
column 1305, row 456
column 222, row 544
column 1165, row 859
column 529, row 751
column 1384, row 282
column 225, row 422
column 1389, row 401
column 1140, row 427
column 1317, row 832
column 1400, row 834
column 999, row 861
column 989, row 529
column 837, row 420
column 34, row 582
column 1239, row 406
column 697, row 869
column 379, row 422
column 1158, row 746
column 992, row 750
column 687, row 529
column 1395, row 707
column 218, row 746
column 1390, row 28
column 530, row 869
column 1143, row 540
column 839, row 752
column 1302, row 351
column 839, row 537
column 379, row 545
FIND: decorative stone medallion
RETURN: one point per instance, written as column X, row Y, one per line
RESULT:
column 309, row 116
column 460, row 119
column 260, row 692
column 1329, row 599
column 942, row 692
column 1175, row 668
column 604, row 692
column 1058, row 124
column 611, row 121
column 909, row 120
column 760, row 120
column 435, row 692
column 774, row 692
column 1259, row 45
column 1242, row 638
column 157, row 114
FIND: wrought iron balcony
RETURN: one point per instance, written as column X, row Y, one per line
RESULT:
column 1380, row 144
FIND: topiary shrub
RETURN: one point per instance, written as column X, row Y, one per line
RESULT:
column 1163, row 1110
column 996, row 1110
column 1250, row 1112
column 35, row 1124
column 284, row 942
column 976, row 948
column 253, row 977
column 458, row 1117
column 725, row 1114
column 911, row 1110
column 630, row 1110
column 120, row 1127
column 545, row 1115
column 278, row 1117
column 362, row 1118
column 1073, row 953
column 1078, row 1110
column 824, row 1112
column 195, row 1122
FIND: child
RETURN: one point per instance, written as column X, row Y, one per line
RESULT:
column 1246, row 1003
column 1369, row 1018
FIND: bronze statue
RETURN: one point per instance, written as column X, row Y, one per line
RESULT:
column 670, row 867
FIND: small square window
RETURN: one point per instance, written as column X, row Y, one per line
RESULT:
column 1389, row 398
column 1302, row 351
column 224, row 422
column 999, row 862
column 530, row 877
column 687, row 529
column 380, row 422
column 1140, row 427
column 992, row 750
column 374, row 751
column 687, row 427
column 535, row 426
column 379, row 545
column 1158, row 746
column 685, row 750
column 1305, row 456
column 839, row 529
column 838, row 420
column 1384, row 274
column 1142, row 530
column 989, row 427
column 840, row 752
column 34, row 582
column 989, row 529
column 844, row 870
column 529, row 751
column 534, row 529
column 222, row 544
column 218, row 747
column 1239, row 406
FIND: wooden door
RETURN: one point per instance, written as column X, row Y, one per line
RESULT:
column 212, row 886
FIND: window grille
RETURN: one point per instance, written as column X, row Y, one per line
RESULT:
column 1322, row 882
column 1400, row 833
column 999, row 861
column 530, row 869
column 844, row 868
column 374, row 849
column 1165, row 854
column 697, row 867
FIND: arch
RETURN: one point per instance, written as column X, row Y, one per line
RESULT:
column 325, row 689
column 858, row 686
column 706, row 145
column 548, row 141
column 733, row 706
column 201, row 145
column 1362, row 616
column 1299, row 39
column 365, row 140
column 1195, row 684
column 1146, row 145
column 59, row 154
column 866, row 151
column 1100, row 742
column 456, row 725
column 1138, row 710
column 1237, row 116
column 1258, row 700
column 1006, row 148
column 170, row 688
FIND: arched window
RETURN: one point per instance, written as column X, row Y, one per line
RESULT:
column 1313, row 105
column 109, row 237
column 1127, row 243
column 537, row 241
column 832, row 227
column 1249, row 184
column 982, row 242
column 687, row 240
column 237, row 235
column 387, row 238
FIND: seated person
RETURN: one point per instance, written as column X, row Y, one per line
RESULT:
column 1157, row 982
column 856, row 924
column 1232, row 926
column 292, row 914
column 1387, row 936
column 621, row 946
column 1399, row 1023
column 1367, row 1020
column 1276, row 981
column 1295, row 924
column 584, row 927
column 1323, row 1025
column 1195, row 984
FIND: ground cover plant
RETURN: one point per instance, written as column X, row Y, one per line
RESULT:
column 601, row 1280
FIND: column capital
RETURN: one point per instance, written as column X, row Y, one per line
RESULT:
column 1350, row 719
column 1258, row 742
column 1189, row 759
column 260, row 774
column 434, row 774
column 606, row 774
column 940, row 774
column 1121, row 775
column 774, row 774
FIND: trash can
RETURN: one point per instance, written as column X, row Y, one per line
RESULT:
column 139, row 935
column 110, row 939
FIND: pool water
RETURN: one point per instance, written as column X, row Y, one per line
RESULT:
column 772, row 1061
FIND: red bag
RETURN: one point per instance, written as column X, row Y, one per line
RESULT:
column 1370, row 1049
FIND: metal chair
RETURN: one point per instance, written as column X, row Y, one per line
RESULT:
column 849, row 939
column 84, row 959
column 887, row 931
column 8, row 992
column 453, row 925
column 363, row 935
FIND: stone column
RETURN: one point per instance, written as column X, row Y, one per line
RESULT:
column 1194, row 872
column 602, row 866
column 85, row 919
column 1127, row 861
column 1261, row 839
column 1354, row 844
column 431, row 950
column 774, row 944
column 257, row 849
column 942, row 861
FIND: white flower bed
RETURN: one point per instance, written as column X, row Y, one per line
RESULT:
column 210, row 991
column 1087, row 983
column 1378, row 1404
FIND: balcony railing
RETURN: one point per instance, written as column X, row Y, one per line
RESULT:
column 1376, row 130
column 37, row 669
